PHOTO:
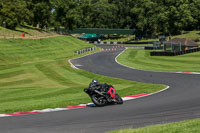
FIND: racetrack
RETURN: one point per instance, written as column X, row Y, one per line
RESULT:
column 179, row 102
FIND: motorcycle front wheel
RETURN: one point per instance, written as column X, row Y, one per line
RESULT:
column 118, row 99
column 98, row 100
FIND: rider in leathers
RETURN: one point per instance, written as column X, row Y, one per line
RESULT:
column 100, row 87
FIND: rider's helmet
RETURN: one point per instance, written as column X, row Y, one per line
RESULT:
column 95, row 81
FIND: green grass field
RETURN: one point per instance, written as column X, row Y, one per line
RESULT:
column 190, row 126
column 35, row 74
column 141, row 59
column 119, row 38
column 30, row 32
column 192, row 35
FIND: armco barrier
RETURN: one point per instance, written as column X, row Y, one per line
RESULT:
column 148, row 42
column 174, row 53
column 107, row 42
column 85, row 50
column 96, row 42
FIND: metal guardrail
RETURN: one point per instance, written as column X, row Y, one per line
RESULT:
column 104, row 31
column 85, row 50
column 96, row 42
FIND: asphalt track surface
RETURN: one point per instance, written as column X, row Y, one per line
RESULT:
column 179, row 102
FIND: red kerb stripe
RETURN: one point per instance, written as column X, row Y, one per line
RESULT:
column 78, row 106
column 187, row 72
column 139, row 95
column 21, row 113
column 74, row 107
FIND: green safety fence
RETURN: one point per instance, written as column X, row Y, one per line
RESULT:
column 103, row 31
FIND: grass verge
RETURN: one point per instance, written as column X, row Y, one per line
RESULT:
column 30, row 32
column 141, row 59
column 35, row 74
column 190, row 126
column 192, row 35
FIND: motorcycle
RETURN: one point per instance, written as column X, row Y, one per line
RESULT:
column 103, row 95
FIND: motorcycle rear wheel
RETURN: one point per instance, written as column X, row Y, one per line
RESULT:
column 98, row 100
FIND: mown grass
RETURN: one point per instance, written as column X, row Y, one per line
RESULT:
column 35, row 74
column 119, row 38
column 190, row 126
column 141, row 59
column 29, row 31
column 135, row 48
column 192, row 35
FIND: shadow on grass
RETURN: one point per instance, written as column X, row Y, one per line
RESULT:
column 30, row 28
column 21, row 31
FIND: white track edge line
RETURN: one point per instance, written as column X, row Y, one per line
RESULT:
column 62, row 109
column 150, row 70
column 156, row 92
column 3, row 115
column 72, row 65
column 88, row 104
column 148, row 94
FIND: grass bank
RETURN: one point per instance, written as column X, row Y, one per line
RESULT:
column 141, row 59
column 192, row 35
column 35, row 74
column 30, row 32
column 190, row 126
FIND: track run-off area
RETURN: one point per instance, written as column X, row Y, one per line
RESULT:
column 179, row 102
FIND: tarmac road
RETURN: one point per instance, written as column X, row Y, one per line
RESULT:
column 179, row 102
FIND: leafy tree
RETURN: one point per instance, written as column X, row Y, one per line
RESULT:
column 152, row 17
column 179, row 15
column 85, row 8
column 41, row 10
column 67, row 13
column 102, row 14
column 13, row 13
column 122, row 16
column 145, row 17
column 194, row 7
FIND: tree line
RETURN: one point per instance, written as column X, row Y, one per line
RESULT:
column 153, row 17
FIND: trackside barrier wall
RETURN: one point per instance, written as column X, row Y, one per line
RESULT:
column 152, row 48
column 85, row 50
column 175, row 53
column 96, row 42
column 107, row 42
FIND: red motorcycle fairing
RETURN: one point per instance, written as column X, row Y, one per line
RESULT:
column 111, row 91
